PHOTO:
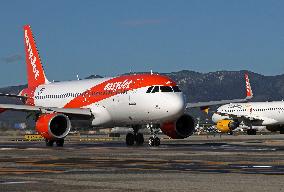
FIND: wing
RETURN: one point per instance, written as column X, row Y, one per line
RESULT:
column 27, row 108
column 204, row 105
column 211, row 103
column 12, row 95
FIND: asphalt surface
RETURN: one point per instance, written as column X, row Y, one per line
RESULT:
column 200, row 163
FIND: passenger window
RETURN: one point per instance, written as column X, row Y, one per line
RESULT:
column 149, row 89
column 156, row 89
column 176, row 89
column 166, row 89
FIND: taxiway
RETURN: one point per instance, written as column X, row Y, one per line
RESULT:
column 200, row 163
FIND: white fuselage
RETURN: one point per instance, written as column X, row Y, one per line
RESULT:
column 260, row 113
column 126, row 108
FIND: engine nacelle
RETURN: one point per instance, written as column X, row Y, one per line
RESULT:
column 53, row 126
column 225, row 126
column 179, row 129
column 2, row 110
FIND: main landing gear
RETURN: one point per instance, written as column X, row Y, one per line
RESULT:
column 154, row 141
column 251, row 131
column 135, row 137
column 138, row 138
column 59, row 142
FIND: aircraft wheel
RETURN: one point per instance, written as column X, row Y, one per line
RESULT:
column 154, row 141
column 251, row 132
column 254, row 132
column 130, row 139
column 151, row 141
column 59, row 143
column 49, row 143
column 157, row 141
column 139, row 138
column 281, row 131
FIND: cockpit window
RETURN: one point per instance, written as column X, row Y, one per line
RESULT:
column 176, row 89
column 149, row 89
column 156, row 89
column 166, row 89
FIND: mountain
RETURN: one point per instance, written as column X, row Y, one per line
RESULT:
column 94, row 77
column 228, row 85
column 196, row 87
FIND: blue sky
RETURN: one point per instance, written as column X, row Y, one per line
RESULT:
column 112, row 37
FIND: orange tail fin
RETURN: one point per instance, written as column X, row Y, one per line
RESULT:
column 35, row 70
column 248, row 87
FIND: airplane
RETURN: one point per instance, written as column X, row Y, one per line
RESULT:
column 136, row 100
column 254, row 115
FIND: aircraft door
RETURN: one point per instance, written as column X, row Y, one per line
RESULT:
column 132, row 105
column 132, row 100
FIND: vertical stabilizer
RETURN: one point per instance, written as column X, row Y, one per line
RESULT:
column 35, row 70
column 248, row 87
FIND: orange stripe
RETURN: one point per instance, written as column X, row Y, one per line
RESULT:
column 117, row 85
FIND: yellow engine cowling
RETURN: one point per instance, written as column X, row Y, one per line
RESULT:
column 224, row 126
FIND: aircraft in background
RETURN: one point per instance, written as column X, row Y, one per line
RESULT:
column 150, row 100
column 254, row 115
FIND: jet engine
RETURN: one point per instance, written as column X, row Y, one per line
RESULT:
column 2, row 110
column 225, row 126
column 182, row 128
column 53, row 126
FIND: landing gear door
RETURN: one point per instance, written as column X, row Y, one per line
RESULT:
column 132, row 100
column 132, row 105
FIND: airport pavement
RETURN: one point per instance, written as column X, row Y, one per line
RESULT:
column 229, row 163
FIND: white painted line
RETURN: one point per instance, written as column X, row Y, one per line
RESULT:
column 4, row 149
column 16, row 182
column 261, row 166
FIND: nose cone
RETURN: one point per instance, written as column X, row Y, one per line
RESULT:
column 216, row 117
column 174, row 105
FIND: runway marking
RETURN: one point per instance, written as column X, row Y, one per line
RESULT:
column 254, row 166
column 86, row 165
column 261, row 166
column 16, row 182
column 9, row 170
column 61, row 165
column 204, row 157
column 5, row 149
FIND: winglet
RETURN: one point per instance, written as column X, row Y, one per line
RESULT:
column 248, row 87
column 35, row 70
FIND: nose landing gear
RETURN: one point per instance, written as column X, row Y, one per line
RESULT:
column 154, row 140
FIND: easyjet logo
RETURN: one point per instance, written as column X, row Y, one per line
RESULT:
column 31, row 55
column 118, row 85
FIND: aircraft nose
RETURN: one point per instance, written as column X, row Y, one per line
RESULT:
column 176, row 105
column 216, row 117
